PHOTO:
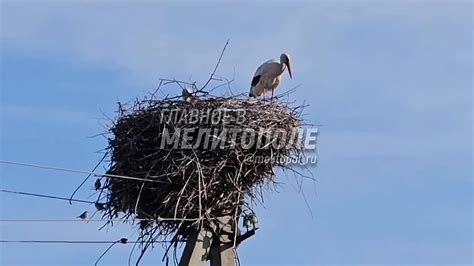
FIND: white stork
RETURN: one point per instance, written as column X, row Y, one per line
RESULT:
column 268, row 75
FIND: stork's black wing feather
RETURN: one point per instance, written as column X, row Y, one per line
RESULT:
column 255, row 80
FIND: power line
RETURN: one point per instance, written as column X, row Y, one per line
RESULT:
column 44, row 196
column 158, row 219
column 78, row 171
column 122, row 241
column 67, row 220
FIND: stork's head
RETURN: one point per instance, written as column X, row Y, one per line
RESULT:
column 285, row 59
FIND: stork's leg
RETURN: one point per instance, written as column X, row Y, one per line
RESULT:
column 272, row 96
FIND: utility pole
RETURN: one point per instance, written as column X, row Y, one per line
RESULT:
column 216, row 245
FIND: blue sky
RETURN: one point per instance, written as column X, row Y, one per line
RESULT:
column 389, row 81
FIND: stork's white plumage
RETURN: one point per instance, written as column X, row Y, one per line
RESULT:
column 268, row 75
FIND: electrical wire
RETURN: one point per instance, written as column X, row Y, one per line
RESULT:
column 122, row 241
column 158, row 219
column 78, row 171
column 44, row 196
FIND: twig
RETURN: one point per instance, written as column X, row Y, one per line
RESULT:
column 87, row 177
column 215, row 68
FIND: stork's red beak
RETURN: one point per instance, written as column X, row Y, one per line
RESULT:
column 289, row 69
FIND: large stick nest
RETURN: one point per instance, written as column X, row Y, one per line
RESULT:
column 192, row 183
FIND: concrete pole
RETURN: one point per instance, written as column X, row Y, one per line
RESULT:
column 204, row 244
column 197, row 248
column 222, row 248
